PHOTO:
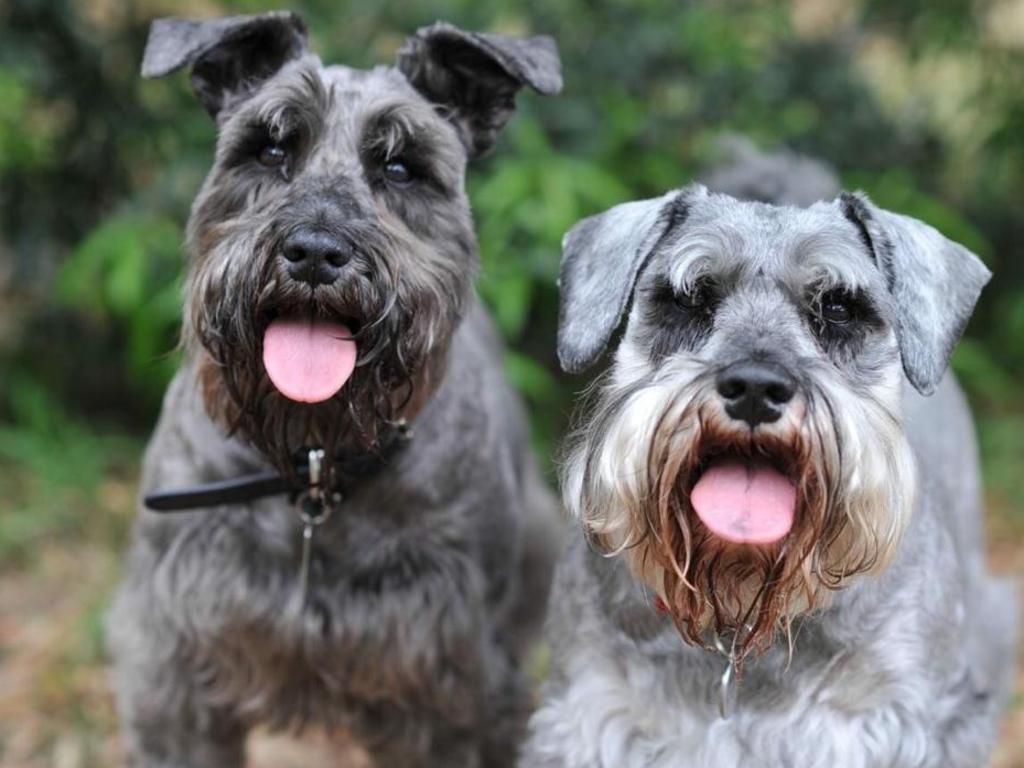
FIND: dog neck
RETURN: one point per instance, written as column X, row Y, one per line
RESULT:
column 253, row 486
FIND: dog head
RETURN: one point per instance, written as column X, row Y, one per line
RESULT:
column 332, row 244
column 746, row 450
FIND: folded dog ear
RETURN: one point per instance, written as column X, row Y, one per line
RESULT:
column 601, row 259
column 474, row 76
column 934, row 281
column 228, row 56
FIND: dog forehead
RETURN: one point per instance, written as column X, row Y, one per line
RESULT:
column 355, row 93
column 347, row 89
column 751, row 239
column 381, row 80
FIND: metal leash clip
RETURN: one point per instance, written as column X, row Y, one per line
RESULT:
column 314, row 508
column 725, row 692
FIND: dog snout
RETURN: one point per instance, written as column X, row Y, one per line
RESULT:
column 755, row 392
column 315, row 256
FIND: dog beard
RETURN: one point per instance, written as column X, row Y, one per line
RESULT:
column 632, row 470
column 400, row 352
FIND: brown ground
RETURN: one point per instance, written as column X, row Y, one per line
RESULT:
column 55, row 707
column 1007, row 557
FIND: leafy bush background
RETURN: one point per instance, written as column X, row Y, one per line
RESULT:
column 918, row 102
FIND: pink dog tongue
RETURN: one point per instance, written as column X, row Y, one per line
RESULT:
column 745, row 504
column 308, row 360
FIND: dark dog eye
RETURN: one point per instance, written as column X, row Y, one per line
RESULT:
column 679, row 318
column 398, row 173
column 273, row 155
column 695, row 298
column 836, row 312
column 843, row 319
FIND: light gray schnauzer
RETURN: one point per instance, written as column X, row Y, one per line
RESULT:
column 329, row 310
column 761, row 474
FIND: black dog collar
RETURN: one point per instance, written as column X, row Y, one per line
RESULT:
column 246, row 488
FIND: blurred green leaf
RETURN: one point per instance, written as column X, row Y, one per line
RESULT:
column 25, row 129
column 533, row 379
column 126, row 272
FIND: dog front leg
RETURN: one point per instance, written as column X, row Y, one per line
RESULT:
column 169, row 741
column 414, row 741
column 399, row 736
column 167, row 723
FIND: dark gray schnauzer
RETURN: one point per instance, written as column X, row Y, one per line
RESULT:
column 333, row 343
column 761, row 474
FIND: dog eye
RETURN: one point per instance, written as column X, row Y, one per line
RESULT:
column 398, row 173
column 836, row 312
column 695, row 298
column 273, row 155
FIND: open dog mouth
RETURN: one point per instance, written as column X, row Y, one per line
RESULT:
column 744, row 498
column 309, row 357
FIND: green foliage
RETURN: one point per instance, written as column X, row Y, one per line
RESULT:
column 98, row 169
column 52, row 467
column 19, row 147
column 126, row 273
column 1002, row 451
column 524, row 205
column 897, row 190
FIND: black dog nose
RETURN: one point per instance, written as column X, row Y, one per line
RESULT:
column 755, row 392
column 315, row 256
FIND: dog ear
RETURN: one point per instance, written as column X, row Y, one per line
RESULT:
column 228, row 56
column 601, row 259
column 934, row 281
column 474, row 76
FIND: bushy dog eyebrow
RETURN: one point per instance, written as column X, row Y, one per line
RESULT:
column 714, row 252
column 298, row 100
column 823, row 259
column 407, row 130
column 293, row 107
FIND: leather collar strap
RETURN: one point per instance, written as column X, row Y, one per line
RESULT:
column 246, row 488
